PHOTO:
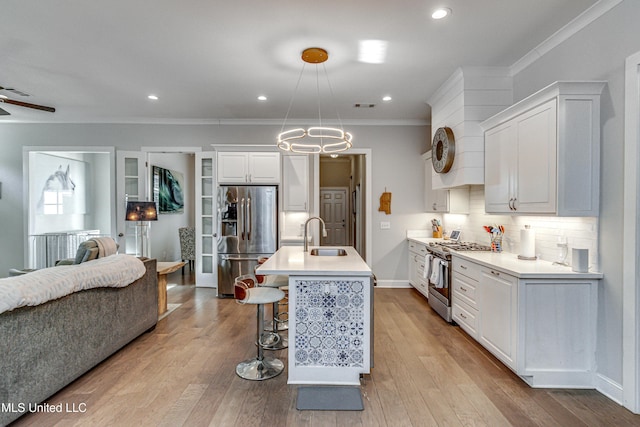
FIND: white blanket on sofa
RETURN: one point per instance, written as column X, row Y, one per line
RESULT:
column 52, row 283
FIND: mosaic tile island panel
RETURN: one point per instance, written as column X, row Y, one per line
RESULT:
column 329, row 317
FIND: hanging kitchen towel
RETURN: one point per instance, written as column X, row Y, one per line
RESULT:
column 385, row 203
column 427, row 266
column 443, row 283
column 435, row 271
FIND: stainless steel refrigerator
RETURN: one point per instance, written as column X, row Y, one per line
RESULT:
column 247, row 230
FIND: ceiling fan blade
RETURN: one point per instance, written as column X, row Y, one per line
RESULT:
column 4, row 112
column 28, row 105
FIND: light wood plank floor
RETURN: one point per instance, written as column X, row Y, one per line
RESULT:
column 426, row 373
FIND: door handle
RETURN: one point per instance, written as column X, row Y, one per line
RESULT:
column 242, row 218
column 248, row 217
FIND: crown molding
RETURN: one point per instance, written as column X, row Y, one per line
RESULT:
column 578, row 23
column 222, row 122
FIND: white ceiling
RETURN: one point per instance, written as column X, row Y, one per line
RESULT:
column 209, row 60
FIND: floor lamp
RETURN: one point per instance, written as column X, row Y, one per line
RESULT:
column 142, row 212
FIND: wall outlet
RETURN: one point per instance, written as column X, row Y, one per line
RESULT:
column 385, row 225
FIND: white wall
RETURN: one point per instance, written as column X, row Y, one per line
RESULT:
column 164, row 243
column 396, row 166
column 580, row 232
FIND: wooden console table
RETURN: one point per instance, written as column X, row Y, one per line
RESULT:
column 164, row 268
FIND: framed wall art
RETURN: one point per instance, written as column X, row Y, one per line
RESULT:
column 168, row 190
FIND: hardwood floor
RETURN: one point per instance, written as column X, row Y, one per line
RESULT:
column 427, row 373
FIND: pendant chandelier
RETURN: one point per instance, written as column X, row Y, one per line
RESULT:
column 314, row 139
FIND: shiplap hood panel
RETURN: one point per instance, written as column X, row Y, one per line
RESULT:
column 470, row 96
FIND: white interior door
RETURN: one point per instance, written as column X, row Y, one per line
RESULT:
column 131, row 184
column 206, row 221
column 334, row 206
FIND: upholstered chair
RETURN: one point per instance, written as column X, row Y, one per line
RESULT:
column 188, row 245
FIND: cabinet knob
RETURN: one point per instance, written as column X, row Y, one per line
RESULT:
column 434, row 206
column 463, row 316
column 464, row 267
column 463, row 289
column 495, row 273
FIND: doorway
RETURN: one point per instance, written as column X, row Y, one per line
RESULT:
column 68, row 189
column 342, row 199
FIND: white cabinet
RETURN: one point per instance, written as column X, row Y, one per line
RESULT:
column 295, row 183
column 542, row 328
column 248, row 168
column 542, row 155
column 497, row 293
column 455, row 200
column 464, row 306
column 520, row 163
column 417, row 252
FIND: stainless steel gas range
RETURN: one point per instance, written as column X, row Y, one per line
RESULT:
column 438, row 263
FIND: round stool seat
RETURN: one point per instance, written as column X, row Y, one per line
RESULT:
column 262, row 295
column 275, row 281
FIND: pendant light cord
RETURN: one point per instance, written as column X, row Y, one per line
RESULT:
column 332, row 98
column 295, row 91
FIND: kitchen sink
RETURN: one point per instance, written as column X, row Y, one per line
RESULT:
column 327, row 252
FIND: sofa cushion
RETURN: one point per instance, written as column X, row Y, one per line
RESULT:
column 84, row 251
column 90, row 254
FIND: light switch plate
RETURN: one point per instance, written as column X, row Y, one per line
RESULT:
column 385, row 225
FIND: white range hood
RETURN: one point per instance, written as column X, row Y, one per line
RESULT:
column 470, row 96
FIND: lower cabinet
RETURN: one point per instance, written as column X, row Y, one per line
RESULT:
column 498, row 294
column 417, row 252
column 464, row 306
column 543, row 329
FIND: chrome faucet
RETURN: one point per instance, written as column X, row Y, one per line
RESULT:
column 306, row 230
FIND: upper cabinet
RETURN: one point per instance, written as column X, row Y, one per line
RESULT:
column 248, row 168
column 542, row 155
column 455, row 200
column 295, row 183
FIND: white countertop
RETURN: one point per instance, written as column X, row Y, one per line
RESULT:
column 509, row 263
column 292, row 261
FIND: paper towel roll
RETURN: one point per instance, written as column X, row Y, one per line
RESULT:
column 527, row 242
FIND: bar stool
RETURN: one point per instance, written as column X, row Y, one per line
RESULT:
column 280, row 319
column 273, row 340
column 259, row 368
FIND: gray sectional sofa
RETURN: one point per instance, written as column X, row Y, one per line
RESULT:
column 46, row 347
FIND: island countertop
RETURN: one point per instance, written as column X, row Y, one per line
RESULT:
column 293, row 261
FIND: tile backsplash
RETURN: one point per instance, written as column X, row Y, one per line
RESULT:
column 580, row 232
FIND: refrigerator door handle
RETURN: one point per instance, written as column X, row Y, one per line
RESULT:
column 248, row 217
column 241, row 218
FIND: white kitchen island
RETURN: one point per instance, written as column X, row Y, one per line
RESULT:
column 330, row 314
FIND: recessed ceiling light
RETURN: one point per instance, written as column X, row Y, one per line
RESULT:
column 386, row 98
column 153, row 97
column 262, row 98
column 441, row 13
column 372, row 51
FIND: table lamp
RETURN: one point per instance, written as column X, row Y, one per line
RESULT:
column 142, row 212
